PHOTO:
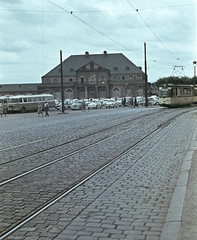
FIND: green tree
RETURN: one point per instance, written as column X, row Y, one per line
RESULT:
column 176, row 80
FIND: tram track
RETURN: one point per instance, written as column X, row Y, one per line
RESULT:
column 30, row 149
column 60, row 195
column 30, row 145
column 31, row 167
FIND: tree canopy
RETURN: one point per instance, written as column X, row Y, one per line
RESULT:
column 176, row 80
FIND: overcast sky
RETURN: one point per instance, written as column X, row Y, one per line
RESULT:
column 32, row 33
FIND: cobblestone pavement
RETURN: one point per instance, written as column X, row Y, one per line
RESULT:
column 131, row 201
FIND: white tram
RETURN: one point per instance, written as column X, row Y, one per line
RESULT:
column 24, row 103
column 171, row 95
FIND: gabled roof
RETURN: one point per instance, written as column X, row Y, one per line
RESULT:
column 117, row 63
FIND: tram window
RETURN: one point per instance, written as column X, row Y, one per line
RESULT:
column 185, row 91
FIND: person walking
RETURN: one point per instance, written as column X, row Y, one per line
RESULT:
column 46, row 108
column 40, row 109
column 5, row 109
column 83, row 106
column 1, row 109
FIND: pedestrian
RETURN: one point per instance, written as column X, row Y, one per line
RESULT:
column 83, row 106
column 131, row 102
column 1, row 109
column 124, row 102
column 46, row 108
column 135, row 102
column 40, row 110
column 4, row 109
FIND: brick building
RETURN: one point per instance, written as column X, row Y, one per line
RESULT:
column 95, row 76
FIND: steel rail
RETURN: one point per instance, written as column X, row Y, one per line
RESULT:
column 56, row 199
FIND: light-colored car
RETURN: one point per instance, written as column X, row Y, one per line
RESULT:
column 92, row 105
column 111, row 103
column 153, row 100
column 119, row 102
column 67, row 103
column 76, row 106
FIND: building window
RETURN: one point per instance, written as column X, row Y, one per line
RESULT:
column 71, row 79
column 116, row 92
column 82, row 80
column 127, row 68
column 71, row 70
column 115, row 69
column 69, row 94
column 123, row 78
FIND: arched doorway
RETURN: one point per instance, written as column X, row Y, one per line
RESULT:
column 69, row 94
column 103, row 93
column 116, row 92
column 81, row 93
column 57, row 95
column 139, row 92
column 92, row 93
column 128, row 92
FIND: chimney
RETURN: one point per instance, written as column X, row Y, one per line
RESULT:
column 105, row 52
column 87, row 53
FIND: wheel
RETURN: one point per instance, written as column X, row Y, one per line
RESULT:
column 23, row 109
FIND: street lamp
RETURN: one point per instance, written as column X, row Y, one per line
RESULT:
column 194, row 63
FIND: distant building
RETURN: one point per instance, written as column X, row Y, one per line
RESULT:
column 95, row 76
column 15, row 89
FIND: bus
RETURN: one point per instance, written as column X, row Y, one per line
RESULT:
column 28, row 103
column 4, row 99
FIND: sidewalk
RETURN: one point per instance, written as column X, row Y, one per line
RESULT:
column 181, row 220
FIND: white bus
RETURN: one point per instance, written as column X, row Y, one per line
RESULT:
column 4, row 99
column 26, row 103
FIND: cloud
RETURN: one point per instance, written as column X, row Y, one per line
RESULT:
column 33, row 32
column 8, row 58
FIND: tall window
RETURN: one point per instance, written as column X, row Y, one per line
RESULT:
column 116, row 92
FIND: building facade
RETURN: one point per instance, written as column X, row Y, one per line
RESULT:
column 15, row 89
column 95, row 76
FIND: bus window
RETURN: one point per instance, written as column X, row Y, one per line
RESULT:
column 43, row 99
column 38, row 99
column 24, row 99
column 20, row 99
column 29, row 99
column 14, row 100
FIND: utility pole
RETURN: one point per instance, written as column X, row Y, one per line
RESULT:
column 146, row 81
column 62, row 86
column 194, row 63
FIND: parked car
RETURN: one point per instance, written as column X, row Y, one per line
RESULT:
column 92, row 105
column 119, row 102
column 67, row 103
column 153, row 100
column 76, row 105
column 111, row 103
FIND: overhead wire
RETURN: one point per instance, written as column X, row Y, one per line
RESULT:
column 72, row 13
column 137, row 10
column 81, row 20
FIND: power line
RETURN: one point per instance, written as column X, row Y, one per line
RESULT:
column 94, row 28
column 72, row 13
column 137, row 10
